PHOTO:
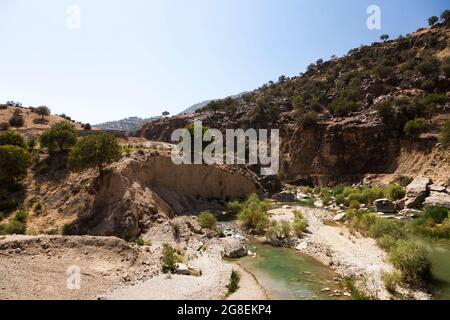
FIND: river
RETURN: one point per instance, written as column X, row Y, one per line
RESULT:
column 439, row 255
column 286, row 274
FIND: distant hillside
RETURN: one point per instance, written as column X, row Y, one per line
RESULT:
column 129, row 124
column 28, row 121
column 195, row 107
column 200, row 105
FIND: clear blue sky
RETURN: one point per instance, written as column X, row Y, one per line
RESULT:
column 141, row 57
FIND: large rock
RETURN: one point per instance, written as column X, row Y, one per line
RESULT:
column 438, row 199
column 284, row 197
column 384, row 205
column 234, row 248
column 411, row 213
column 400, row 204
column 416, row 192
column 437, row 188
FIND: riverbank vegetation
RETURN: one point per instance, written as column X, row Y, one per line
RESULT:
column 393, row 237
column 233, row 285
column 253, row 213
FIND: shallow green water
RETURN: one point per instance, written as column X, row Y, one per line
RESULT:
column 289, row 275
column 439, row 255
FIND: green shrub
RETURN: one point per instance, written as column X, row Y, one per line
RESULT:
column 342, row 107
column 384, row 109
column 60, row 137
column 21, row 216
column 169, row 259
column 416, row 127
column 445, row 68
column 309, row 119
column 325, row 195
column 437, row 214
column 355, row 293
column 354, row 204
column 234, row 207
column 136, row 240
column 94, row 152
column 233, row 285
column 300, row 225
column 2, row 216
column 16, row 120
column 428, row 228
column 411, row 260
column 444, row 136
column 384, row 227
column 273, row 231
column 340, row 199
column 14, row 227
column 254, row 214
column 391, row 280
column 429, row 64
column 285, row 229
column 207, row 220
column 395, row 192
column 386, row 242
column 14, row 162
column 13, row 139
column 369, row 195
column 8, row 204
column 38, row 207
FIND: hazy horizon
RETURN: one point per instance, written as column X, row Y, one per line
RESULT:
column 141, row 58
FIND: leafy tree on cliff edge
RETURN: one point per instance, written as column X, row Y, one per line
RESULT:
column 94, row 151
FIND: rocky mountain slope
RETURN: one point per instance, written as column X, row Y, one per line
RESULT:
column 345, row 118
column 129, row 124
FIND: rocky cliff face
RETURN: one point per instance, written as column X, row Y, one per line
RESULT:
column 136, row 193
column 330, row 125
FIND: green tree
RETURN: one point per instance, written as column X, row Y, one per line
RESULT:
column 166, row 113
column 384, row 109
column 11, row 138
column 60, row 137
column 445, row 17
column 414, row 128
column 384, row 37
column 43, row 111
column 432, row 21
column 94, row 151
column 14, row 162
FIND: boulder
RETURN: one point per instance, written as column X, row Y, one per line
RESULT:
column 411, row 213
column 182, row 269
column 416, row 192
column 384, row 205
column 400, row 204
column 284, row 196
column 234, row 248
column 438, row 199
column 437, row 188
column 340, row 216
